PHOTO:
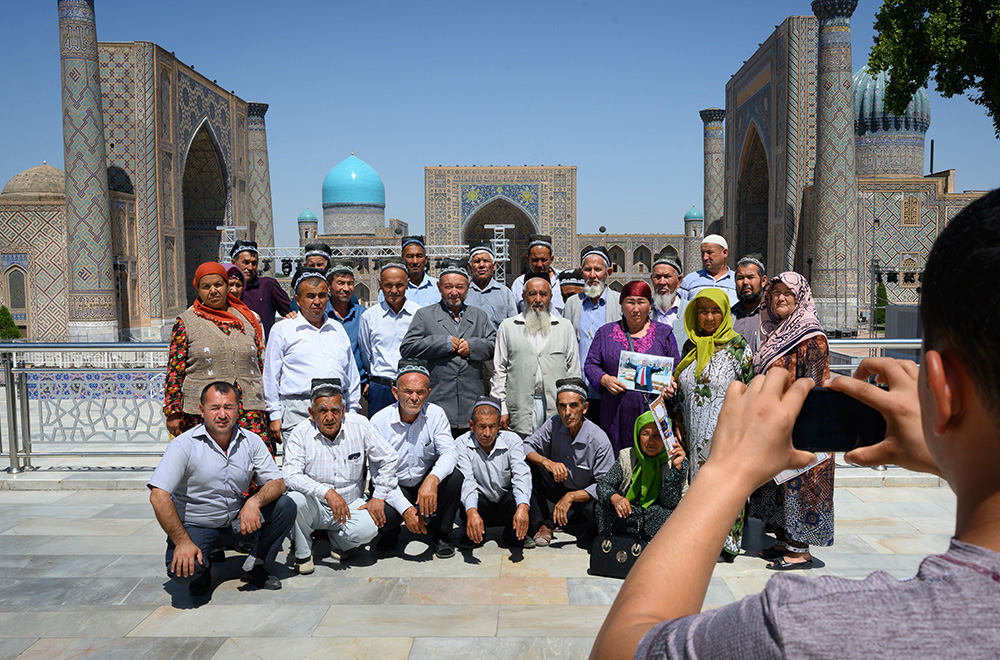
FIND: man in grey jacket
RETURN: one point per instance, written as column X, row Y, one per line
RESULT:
column 455, row 340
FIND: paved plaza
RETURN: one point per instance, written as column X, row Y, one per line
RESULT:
column 82, row 575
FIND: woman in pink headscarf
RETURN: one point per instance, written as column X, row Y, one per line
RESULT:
column 800, row 510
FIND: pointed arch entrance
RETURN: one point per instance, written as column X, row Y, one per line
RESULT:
column 752, row 210
column 502, row 212
column 204, row 203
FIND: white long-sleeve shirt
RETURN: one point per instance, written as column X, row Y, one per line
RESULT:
column 379, row 335
column 297, row 351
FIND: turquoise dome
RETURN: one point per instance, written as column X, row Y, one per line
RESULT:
column 353, row 181
column 693, row 214
column 870, row 115
column 308, row 216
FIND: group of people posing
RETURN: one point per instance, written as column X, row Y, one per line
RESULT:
column 457, row 396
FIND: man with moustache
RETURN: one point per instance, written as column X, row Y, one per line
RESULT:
column 668, row 307
column 540, row 258
column 485, row 292
column 261, row 294
column 533, row 350
column 750, row 281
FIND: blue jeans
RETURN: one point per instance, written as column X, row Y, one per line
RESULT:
column 379, row 397
column 278, row 518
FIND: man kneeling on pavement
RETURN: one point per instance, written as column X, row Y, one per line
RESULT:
column 324, row 467
column 496, row 483
column 197, row 494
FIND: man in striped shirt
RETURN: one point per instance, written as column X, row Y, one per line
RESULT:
column 324, row 467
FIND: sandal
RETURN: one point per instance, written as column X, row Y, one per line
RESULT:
column 543, row 536
column 771, row 553
column 782, row 564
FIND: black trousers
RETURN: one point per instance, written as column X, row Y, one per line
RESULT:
column 497, row 514
column 441, row 523
column 544, row 488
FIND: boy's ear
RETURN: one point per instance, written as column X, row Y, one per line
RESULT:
column 945, row 378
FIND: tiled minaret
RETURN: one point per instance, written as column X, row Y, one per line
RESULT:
column 92, row 304
column 835, row 251
column 260, row 175
column 715, row 163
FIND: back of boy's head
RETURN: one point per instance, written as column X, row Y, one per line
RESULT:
column 960, row 295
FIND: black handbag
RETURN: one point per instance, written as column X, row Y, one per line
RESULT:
column 615, row 551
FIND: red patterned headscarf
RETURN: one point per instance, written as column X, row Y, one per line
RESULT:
column 222, row 316
column 637, row 288
column 778, row 336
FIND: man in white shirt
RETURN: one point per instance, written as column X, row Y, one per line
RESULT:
column 324, row 467
column 426, row 497
column 309, row 346
column 540, row 258
column 496, row 482
column 382, row 329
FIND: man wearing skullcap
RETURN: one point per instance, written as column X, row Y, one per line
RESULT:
column 486, row 293
column 496, row 482
column 317, row 255
column 456, row 340
column 324, row 468
column 567, row 456
column 421, row 288
column 668, row 306
column 261, row 294
column 750, row 281
column 714, row 252
column 540, row 258
column 381, row 331
column 345, row 309
column 570, row 283
column 312, row 345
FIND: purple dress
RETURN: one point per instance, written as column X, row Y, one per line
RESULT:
column 619, row 411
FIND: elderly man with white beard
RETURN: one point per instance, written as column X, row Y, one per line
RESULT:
column 668, row 306
column 534, row 349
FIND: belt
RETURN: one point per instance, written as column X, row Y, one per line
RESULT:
column 295, row 397
column 388, row 382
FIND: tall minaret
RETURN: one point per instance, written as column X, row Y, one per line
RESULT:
column 715, row 164
column 260, row 175
column 835, row 250
column 92, row 303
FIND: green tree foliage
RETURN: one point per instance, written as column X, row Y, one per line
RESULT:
column 8, row 329
column 958, row 39
column 881, row 300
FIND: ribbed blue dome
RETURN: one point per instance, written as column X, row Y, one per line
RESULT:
column 694, row 214
column 870, row 115
column 353, row 181
column 308, row 216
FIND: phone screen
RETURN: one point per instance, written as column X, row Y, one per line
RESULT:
column 832, row 421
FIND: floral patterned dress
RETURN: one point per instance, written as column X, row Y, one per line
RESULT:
column 700, row 400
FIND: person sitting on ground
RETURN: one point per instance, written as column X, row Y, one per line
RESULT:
column 324, row 467
column 568, row 455
column 426, row 498
column 942, row 417
column 496, row 482
column 644, row 485
column 197, row 492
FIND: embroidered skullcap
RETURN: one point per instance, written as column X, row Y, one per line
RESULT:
column 575, row 385
column 484, row 246
column 572, row 277
column 391, row 264
column 668, row 259
column 326, row 387
column 540, row 239
column 243, row 246
column 453, row 267
column 532, row 275
column 318, row 250
column 599, row 251
column 303, row 273
column 419, row 240
column 489, row 401
column 209, row 268
column 409, row 366
column 637, row 288
column 715, row 239
column 340, row 268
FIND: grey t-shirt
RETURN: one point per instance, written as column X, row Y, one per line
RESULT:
column 950, row 609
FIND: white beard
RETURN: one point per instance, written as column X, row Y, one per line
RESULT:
column 664, row 301
column 537, row 322
column 593, row 290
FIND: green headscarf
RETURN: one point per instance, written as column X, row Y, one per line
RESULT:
column 704, row 347
column 646, row 473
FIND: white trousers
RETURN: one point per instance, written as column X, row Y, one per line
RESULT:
column 316, row 514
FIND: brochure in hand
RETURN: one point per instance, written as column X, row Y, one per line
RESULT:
column 644, row 373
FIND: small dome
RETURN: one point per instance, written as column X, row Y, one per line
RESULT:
column 693, row 214
column 41, row 180
column 308, row 216
column 870, row 115
column 353, row 181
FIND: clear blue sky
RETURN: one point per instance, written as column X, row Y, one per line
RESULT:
column 611, row 87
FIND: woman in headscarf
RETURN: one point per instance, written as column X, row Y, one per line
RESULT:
column 237, row 280
column 217, row 338
column 645, row 483
column 715, row 355
column 634, row 332
column 799, row 511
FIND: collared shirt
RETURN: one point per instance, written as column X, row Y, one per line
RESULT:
column 587, row 457
column 748, row 325
column 493, row 475
column 206, row 483
column 700, row 279
column 379, row 335
column 592, row 317
column 298, row 351
column 517, row 289
column 265, row 296
column 351, row 323
column 495, row 299
column 425, row 294
column 666, row 317
column 424, row 447
column 314, row 463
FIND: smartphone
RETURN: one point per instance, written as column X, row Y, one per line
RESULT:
column 833, row 421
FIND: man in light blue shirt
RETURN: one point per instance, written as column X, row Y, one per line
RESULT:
column 596, row 306
column 714, row 252
column 485, row 292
